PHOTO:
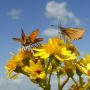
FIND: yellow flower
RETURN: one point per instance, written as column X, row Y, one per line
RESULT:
column 84, row 65
column 57, row 48
column 16, row 60
column 65, row 54
column 72, row 48
column 70, row 68
column 11, row 65
column 35, row 70
column 22, row 54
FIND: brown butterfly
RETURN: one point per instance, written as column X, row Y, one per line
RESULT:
column 29, row 40
column 72, row 34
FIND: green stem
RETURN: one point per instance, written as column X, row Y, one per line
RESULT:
column 58, row 77
column 42, row 86
column 74, row 80
column 47, row 87
column 80, row 80
column 87, row 85
column 50, row 75
column 65, row 82
column 47, row 66
column 47, row 84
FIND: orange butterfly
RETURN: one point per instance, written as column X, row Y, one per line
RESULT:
column 29, row 40
column 72, row 34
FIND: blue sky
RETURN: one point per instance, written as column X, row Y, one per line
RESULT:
column 32, row 14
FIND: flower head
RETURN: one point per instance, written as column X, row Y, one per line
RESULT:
column 17, row 60
column 57, row 48
column 72, row 48
column 22, row 54
column 84, row 65
column 11, row 65
column 35, row 70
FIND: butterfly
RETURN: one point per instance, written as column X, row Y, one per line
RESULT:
column 72, row 34
column 29, row 40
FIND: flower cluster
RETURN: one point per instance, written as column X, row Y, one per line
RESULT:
column 56, row 57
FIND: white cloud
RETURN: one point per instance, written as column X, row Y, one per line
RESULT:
column 50, row 32
column 60, row 11
column 15, row 13
column 23, row 83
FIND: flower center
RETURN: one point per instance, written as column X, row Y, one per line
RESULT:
column 38, row 71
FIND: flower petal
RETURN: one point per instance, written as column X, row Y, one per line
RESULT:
column 39, row 53
column 58, row 57
column 45, row 56
column 82, row 69
column 36, row 49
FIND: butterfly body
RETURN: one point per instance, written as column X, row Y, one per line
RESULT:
column 29, row 40
column 72, row 34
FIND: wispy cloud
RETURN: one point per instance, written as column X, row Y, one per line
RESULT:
column 50, row 32
column 15, row 13
column 60, row 11
column 22, row 83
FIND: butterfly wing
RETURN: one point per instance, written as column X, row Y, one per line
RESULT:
column 72, row 34
column 38, row 40
column 33, row 35
column 17, row 39
column 22, row 40
column 23, row 35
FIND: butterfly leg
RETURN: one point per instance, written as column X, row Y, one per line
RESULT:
column 32, row 46
column 22, row 48
column 38, row 44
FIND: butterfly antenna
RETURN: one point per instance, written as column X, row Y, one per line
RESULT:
column 22, row 34
column 22, row 30
column 59, row 28
column 59, row 24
